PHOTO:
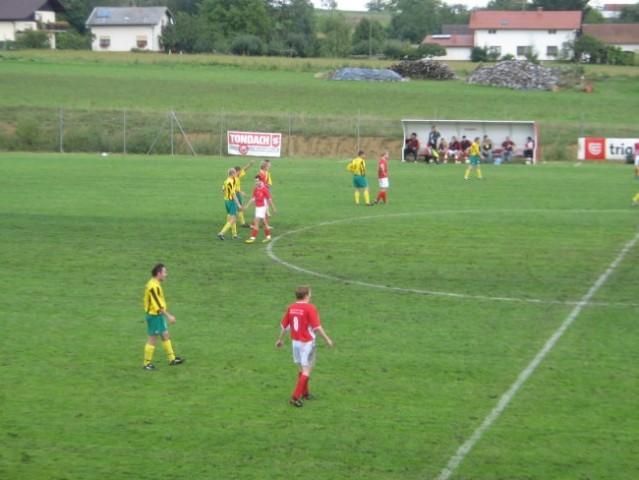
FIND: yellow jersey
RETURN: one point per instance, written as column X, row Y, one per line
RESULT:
column 357, row 166
column 154, row 300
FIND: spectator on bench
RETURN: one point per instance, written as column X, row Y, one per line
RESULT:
column 411, row 147
column 508, row 150
column 487, row 149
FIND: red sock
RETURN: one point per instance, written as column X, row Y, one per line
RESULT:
column 301, row 384
column 305, row 391
column 379, row 196
column 267, row 232
column 384, row 195
column 254, row 233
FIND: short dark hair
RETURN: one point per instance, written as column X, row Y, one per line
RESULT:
column 157, row 269
column 302, row 291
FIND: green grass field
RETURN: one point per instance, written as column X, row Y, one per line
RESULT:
column 85, row 95
column 437, row 304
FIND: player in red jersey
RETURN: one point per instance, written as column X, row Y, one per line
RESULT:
column 262, row 198
column 302, row 320
column 382, row 176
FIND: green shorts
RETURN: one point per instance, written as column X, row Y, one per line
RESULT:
column 231, row 207
column 474, row 159
column 155, row 324
column 359, row 181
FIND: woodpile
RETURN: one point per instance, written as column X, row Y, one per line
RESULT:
column 424, row 70
column 523, row 75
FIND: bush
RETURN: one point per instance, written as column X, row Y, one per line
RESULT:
column 72, row 40
column 395, row 49
column 247, row 45
column 479, row 54
column 33, row 39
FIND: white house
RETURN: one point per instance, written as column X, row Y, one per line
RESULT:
column 18, row 16
column 515, row 32
column 458, row 40
column 122, row 29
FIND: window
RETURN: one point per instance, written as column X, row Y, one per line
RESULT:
column 552, row 51
column 521, row 51
column 495, row 50
column 492, row 31
column 105, row 42
column 141, row 41
column 552, row 31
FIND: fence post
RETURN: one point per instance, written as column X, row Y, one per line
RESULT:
column 61, row 123
column 290, row 123
column 124, row 132
column 221, row 131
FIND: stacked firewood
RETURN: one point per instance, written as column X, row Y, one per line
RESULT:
column 424, row 70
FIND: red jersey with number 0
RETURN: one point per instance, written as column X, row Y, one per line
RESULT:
column 302, row 319
column 261, row 196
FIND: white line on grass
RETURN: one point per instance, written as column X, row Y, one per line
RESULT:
column 454, row 462
column 276, row 259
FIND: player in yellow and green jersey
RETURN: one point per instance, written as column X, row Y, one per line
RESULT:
column 357, row 167
column 156, row 315
column 231, row 204
column 241, row 172
column 474, row 157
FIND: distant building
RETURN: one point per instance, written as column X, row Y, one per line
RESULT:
column 612, row 10
column 122, row 29
column 458, row 47
column 512, row 33
column 17, row 16
column 622, row 35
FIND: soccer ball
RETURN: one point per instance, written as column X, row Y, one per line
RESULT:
column 104, row 154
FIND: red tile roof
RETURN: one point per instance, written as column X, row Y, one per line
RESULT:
column 616, row 33
column 515, row 20
column 451, row 41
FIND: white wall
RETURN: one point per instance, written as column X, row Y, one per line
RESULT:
column 509, row 40
column 8, row 29
column 7, row 32
column 458, row 53
column 123, row 39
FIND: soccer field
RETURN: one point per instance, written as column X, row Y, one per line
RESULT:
column 483, row 329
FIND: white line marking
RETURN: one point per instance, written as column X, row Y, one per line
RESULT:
column 529, row 370
column 276, row 259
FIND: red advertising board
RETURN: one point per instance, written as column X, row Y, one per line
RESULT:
column 595, row 149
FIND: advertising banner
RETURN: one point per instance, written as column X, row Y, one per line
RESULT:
column 255, row 144
column 607, row 148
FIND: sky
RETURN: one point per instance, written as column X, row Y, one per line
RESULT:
column 360, row 5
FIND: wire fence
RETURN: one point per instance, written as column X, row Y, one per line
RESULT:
column 134, row 131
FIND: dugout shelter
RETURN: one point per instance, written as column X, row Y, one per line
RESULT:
column 497, row 130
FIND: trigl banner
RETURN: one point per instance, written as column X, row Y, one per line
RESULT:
column 607, row 148
column 254, row 144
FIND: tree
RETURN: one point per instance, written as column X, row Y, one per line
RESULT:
column 368, row 37
column 580, row 5
column 510, row 5
column 293, row 26
column 188, row 34
column 77, row 13
column 454, row 14
column 229, row 18
column 629, row 14
column 377, row 5
column 335, row 38
column 414, row 19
